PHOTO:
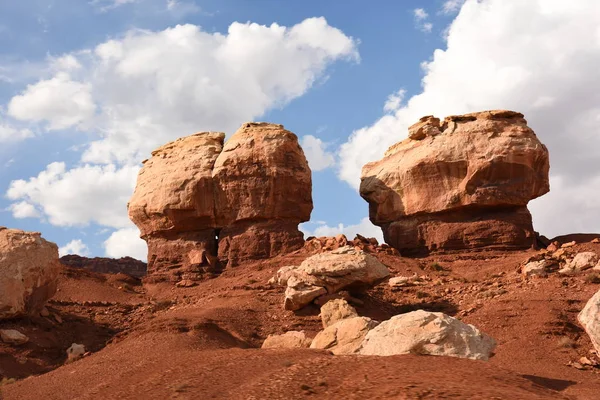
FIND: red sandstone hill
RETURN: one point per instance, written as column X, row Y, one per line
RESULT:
column 160, row 341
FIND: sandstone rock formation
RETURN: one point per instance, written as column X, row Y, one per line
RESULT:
column 345, row 336
column 589, row 318
column 460, row 184
column 103, row 265
column 328, row 273
column 423, row 332
column 29, row 270
column 263, row 190
column 197, row 199
column 289, row 340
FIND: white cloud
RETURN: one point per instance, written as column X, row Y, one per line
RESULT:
column 75, row 246
column 77, row 197
column 11, row 134
column 394, row 101
column 180, row 9
column 452, row 6
column 316, row 153
column 153, row 87
column 126, row 242
column 60, row 101
column 23, row 209
column 426, row 27
column 364, row 228
column 421, row 17
column 420, row 14
column 107, row 5
column 536, row 57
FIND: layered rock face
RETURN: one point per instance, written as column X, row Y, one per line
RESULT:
column 463, row 183
column 126, row 265
column 29, row 271
column 197, row 199
column 263, row 191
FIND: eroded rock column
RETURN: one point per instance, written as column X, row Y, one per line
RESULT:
column 463, row 183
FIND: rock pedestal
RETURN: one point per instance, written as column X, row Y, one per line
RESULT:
column 463, row 183
column 202, row 205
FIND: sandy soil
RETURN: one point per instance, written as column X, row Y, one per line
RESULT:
column 162, row 342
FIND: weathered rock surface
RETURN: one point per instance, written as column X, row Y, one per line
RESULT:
column 582, row 261
column 126, row 265
column 12, row 336
column 336, row 310
column 75, row 352
column 345, row 336
column 173, row 206
column 29, row 270
column 461, row 184
column 289, row 340
column 199, row 201
column 263, row 191
column 423, row 332
column 330, row 272
column 589, row 318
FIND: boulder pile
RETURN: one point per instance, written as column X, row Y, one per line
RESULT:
column 29, row 271
column 202, row 205
column 328, row 273
column 461, row 183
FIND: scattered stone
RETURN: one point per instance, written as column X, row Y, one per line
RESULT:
column 345, row 336
column 583, row 261
column 568, row 244
column 75, row 352
column 13, row 337
column 403, row 281
column 589, row 318
column 596, row 240
column 29, row 271
column 431, row 193
column 423, row 332
column 552, row 247
column 336, row 310
column 289, row 340
column 44, row 312
column 186, row 283
column 536, row 268
column 330, row 272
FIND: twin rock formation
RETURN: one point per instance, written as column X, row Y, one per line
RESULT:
column 202, row 205
column 463, row 183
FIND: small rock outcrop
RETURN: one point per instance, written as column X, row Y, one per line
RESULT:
column 289, row 340
column 463, row 183
column 13, row 337
column 202, row 205
column 328, row 273
column 423, row 332
column 75, row 352
column 345, row 336
column 589, row 318
column 29, row 271
column 103, row 265
column 336, row 310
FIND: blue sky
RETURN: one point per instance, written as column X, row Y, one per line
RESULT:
column 87, row 89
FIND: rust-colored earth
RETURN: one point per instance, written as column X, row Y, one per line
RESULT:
column 163, row 342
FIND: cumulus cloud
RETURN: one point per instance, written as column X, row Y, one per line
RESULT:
column 126, row 242
column 316, row 153
column 60, row 101
column 75, row 246
column 76, row 197
column 364, row 227
column 536, row 57
column 23, row 209
column 9, row 133
column 146, row 88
